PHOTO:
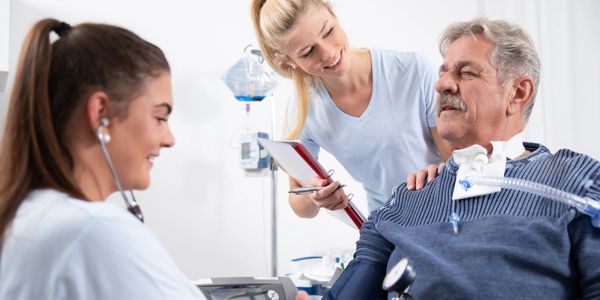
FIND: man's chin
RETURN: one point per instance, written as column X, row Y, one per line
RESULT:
column 448, row 133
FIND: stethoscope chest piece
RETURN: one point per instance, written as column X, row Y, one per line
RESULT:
column 399, row 279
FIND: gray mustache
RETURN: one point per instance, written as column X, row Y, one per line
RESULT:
column 450, row 101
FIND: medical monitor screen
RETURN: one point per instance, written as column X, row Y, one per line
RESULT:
column 245, row 150
column 240, row 293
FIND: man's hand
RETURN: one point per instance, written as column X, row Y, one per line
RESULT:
column 302, row 295
column 417, row 180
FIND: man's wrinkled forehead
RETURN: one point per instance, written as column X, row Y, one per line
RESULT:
column 461, row 64
column 469, row 49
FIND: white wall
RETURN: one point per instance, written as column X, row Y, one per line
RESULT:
column 212, row 219
column 4, row 22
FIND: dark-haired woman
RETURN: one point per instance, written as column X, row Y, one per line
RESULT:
column 99, row 94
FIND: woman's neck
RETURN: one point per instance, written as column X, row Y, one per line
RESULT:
column 358, row 77
column 352, row 92
column 91, row 172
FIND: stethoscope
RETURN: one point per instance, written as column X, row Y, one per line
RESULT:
column 399, row 279
column 132, row 205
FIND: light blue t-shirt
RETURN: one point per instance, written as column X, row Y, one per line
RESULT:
column 58, row 247
column 392, row 137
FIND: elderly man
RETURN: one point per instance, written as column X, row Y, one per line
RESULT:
column 485, row 243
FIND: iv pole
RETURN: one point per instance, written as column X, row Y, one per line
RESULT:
column 249, row 86
column 273, row 167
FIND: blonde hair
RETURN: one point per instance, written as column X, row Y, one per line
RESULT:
column 272, row 19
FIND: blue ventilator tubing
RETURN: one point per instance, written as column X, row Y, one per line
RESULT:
column 585, row 205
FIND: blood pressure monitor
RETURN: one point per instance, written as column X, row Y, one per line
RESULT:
column 246, row 288
column 399, row 279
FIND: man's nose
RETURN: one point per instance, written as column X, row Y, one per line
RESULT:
column 446, row 85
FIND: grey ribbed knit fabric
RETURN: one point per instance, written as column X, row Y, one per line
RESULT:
column 511, row 245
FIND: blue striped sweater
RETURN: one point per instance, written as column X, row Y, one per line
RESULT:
column 511, row 245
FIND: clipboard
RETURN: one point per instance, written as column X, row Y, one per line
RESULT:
column 297, row 161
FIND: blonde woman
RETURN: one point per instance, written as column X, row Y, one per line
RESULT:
column 373, row 110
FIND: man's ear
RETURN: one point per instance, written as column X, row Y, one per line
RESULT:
column 521, row 95
column 96, row 109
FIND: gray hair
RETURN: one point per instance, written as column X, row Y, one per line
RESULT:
column 514, row 53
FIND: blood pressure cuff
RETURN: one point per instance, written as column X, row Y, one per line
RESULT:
column 362, row 279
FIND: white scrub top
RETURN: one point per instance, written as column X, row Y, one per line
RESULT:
column 63, row 248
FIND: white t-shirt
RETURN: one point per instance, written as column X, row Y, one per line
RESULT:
column 63, row 248
column 392, row 137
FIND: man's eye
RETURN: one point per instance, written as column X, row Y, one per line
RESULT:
column 161, row 120
column 467, row 74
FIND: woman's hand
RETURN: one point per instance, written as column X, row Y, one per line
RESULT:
column 417, row 180
column 330, row 196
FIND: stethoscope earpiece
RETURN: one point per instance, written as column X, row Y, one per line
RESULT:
column 104, row 138
column 104, row 122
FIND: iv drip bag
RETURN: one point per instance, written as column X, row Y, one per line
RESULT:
column 250, row 79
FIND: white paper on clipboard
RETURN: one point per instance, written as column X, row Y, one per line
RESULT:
column 294, row 165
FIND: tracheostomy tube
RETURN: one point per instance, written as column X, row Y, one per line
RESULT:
column 587, row 206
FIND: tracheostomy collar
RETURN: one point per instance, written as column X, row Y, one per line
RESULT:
column 475, row 161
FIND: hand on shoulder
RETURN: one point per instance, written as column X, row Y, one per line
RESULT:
column 417, row 180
